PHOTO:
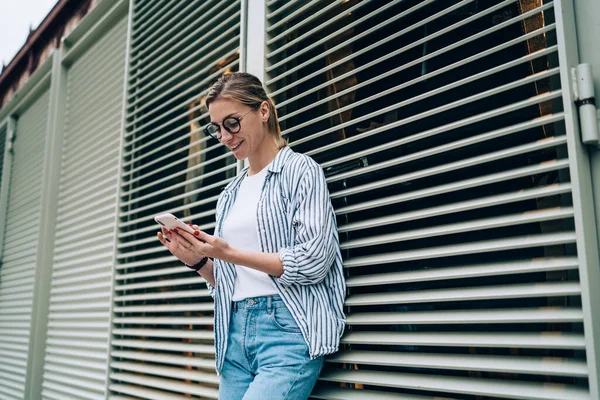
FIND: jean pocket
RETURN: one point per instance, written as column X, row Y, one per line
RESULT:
column 283, row 320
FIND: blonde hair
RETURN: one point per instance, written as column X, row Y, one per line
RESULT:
column 246, row 89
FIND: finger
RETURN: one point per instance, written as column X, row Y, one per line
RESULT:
column 205, row 237
column 164, row 241
column 187, row 235
column 161, row 238
column 183, row 241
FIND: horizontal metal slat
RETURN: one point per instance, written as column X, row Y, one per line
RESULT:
column 199, row 58
column 492, row 316
column 304, row 7
column 162, row 20
column 96, row 355
column 199, row 307
column 96, row 325
column 465, row 271
column 83, row 260
column 88, row 344
column 86, row 364
column 188, row 92
column 470, row 385
column 169, row 45
column 180, row 197
column 457, row 207
column 207, row 363
column 166, row 333
column 167, row 86
column 169, row 372
column 66, row 391
column 454, row 166
column 418, row 61
column 172, row 33
column 445, row 31
column 143, row 392
column 456, row 186
column 165, row 346
column 513, row 291
column 430, row 112
column 307, row 19
column 487, row 136
column 505, row 364
column 166, row 384
column 87, row 335
column 526, row 217
column 18, row 393
column 82, row 373
column 164, row 320
column 180, row 294
column 98, row 305
column 484, row 246
column 316, row 29
column 83, row 269
column 352, row 39
column 161, row 68
column 141, row 11
column 338, row 393
column 192, row 92
column 194, row 278
column 180, row 269
column 531, row 340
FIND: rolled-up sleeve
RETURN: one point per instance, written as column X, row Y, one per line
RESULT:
column 316, row 241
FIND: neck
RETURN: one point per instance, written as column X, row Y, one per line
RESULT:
column 262, row 158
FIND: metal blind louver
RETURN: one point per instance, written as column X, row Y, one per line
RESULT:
column 77, row 351
column 17, row 271
column 162, row 335
column 440, row 128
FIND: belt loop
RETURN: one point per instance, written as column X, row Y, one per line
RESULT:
column 269, row 304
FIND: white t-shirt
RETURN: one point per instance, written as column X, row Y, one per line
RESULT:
column 240, row 230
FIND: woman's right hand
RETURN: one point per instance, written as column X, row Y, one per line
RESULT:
column 179, row 246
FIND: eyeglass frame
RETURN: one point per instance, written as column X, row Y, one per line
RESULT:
column 219, row 125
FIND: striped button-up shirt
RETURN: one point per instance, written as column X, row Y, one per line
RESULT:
column 295, row 218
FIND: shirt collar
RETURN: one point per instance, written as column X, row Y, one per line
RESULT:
column 280, row 159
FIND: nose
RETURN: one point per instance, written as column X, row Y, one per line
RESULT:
column 225, row 136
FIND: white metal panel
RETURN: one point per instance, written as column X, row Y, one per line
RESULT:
column 441, row 129
column 17, row 271
column 163, row 315
column 77, row 350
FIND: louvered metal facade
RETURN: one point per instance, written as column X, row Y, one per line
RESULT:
column 449, row 138
column 19, row 249
column 77, row 349
column 441, row 128
column 162, row 336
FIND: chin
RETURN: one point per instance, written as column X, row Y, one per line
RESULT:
column 239, row 156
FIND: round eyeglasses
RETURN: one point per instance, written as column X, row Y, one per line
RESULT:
column 231, row 125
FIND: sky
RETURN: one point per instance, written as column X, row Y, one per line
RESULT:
column 16, row 16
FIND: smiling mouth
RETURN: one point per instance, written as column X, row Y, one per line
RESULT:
column 235, row 146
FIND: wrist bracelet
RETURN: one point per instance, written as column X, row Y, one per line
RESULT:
column 200, row 264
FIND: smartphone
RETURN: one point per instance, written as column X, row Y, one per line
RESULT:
column 171, row 222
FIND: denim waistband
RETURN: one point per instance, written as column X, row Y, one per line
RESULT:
column 257, row 303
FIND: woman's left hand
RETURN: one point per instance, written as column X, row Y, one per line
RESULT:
column 209, row 245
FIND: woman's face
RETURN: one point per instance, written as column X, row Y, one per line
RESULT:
column 252, row 135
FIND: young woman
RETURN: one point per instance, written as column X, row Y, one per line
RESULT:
column 273, row 264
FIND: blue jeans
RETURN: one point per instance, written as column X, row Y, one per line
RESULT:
column 266, row 357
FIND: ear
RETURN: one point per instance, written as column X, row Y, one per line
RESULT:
column 264, row 110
